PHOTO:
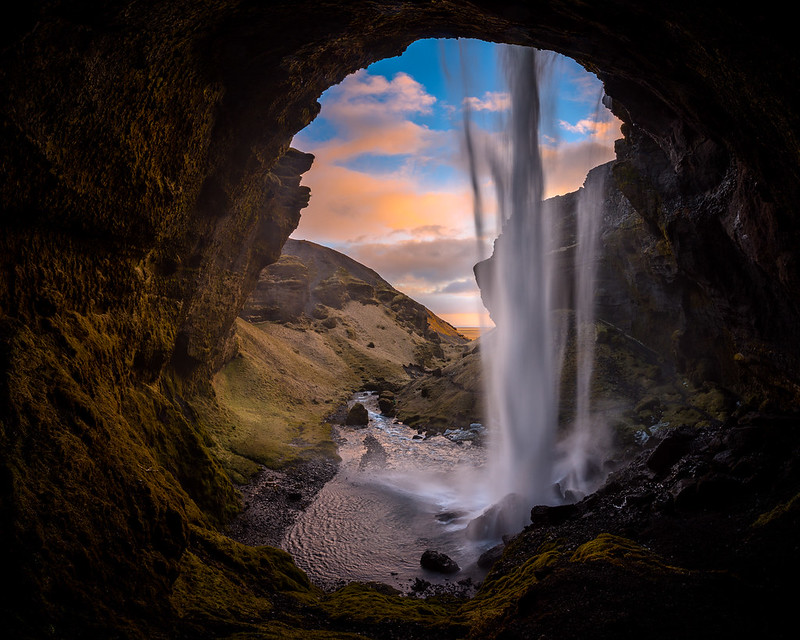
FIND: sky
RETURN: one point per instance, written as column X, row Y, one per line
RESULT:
column 390, row 184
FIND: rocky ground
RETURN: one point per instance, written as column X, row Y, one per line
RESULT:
column 695, row 537
column 273, row 500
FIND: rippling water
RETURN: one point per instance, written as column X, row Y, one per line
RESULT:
column 393, row 497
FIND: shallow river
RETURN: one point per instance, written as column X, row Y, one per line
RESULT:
column 393, row 497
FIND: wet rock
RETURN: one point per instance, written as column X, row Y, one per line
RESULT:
column 420, row 586
column 386, row 403
column 547, row 515
column 490, row 556
column 571, row 496
column 669, row 451
column 449, row 516
column 711, row 492
column 474, row 433
column 505, row 517
column 375, row 455
column 438, row 561
column 358, row 416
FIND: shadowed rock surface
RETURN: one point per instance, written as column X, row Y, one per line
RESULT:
column 147, row 179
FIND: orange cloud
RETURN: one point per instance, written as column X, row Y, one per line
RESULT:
column 352, row 206
column 390, row 137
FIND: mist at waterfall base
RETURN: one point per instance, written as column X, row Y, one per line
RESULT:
column 396, row 495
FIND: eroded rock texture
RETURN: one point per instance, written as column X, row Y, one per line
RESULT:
column 147, row 178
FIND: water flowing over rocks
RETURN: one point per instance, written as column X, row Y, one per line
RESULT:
column 388, row 502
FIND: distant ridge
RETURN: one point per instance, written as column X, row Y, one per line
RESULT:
column 309, row 277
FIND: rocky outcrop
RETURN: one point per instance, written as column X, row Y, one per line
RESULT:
column 147, row 178
column 310, row 280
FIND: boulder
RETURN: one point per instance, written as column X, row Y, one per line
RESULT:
column 490, row 556
column 671, row 449
column 505, row 517
column 358, row 416
column 546, row 515
column 438, row 561
column 386, row 403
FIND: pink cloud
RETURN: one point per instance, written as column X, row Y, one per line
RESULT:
column 364, row 95
column 491, row 101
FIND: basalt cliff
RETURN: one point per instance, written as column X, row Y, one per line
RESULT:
column 147, row 178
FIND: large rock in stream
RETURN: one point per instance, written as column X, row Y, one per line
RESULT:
column 439, row 562
column 358, row 416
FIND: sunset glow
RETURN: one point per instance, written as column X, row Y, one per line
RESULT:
column 389, row 184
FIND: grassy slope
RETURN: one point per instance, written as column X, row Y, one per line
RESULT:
column 335, row 326
column 274, row 396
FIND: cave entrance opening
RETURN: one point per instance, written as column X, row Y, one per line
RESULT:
column 406, row 180
column 391, row 182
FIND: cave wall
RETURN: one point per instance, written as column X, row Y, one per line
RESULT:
column 147, row 178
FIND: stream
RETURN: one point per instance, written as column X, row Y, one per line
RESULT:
column 395, row 495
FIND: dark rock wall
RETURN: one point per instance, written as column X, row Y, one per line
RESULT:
column 147, row 178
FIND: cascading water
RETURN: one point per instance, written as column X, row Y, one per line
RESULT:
column 581, row 448
column 520, row 359
column 526, row 287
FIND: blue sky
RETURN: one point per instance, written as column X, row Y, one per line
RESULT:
column 390, row 186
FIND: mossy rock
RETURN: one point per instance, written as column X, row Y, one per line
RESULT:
column 387, row 406
column 621, row 552
column 499, row 596
column 320, row 312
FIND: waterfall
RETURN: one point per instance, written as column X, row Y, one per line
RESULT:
column 582, row 447
column 525, row 284
column 520, row 361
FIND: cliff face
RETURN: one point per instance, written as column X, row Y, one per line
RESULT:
column 147, row 178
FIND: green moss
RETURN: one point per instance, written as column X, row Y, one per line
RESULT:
column 499, row 597
column 272, row 399
column 207, row 594
column 792, row 506
column 621, row 552
column 280, row 631
column 370, row 605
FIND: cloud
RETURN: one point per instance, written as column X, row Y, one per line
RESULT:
column 428, row 264
column 381, row 191
column 362, row 95
column 591, row 127
column 461, row 287
column 567, row 165
column 491, row 101
column 371, row 115
column 350, row 206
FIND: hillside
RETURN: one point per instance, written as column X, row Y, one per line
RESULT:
column 318, row 327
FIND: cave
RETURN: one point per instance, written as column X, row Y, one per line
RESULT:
column 148, row 178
